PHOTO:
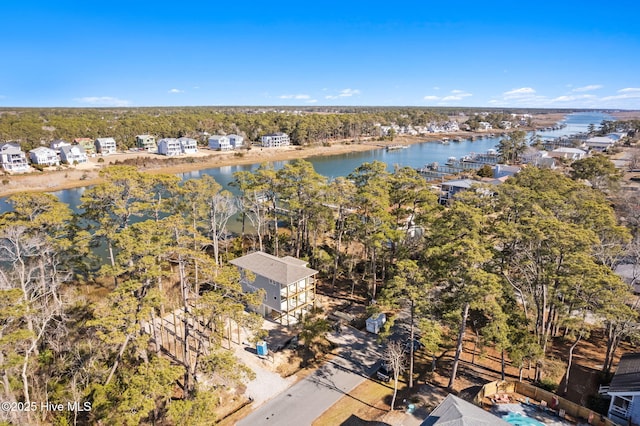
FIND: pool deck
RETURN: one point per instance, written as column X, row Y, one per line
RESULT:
column 534, row 411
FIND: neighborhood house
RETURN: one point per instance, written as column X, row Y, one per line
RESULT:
column 624, row 390
column 73, row 154
column 44, row 156
column 105, row 146
column 169, row 146
column 288, row 284
column 188, row 145
column 146, row 143
column 87, row 144
column 225, row 142
column 12, row 158
column 275, row 139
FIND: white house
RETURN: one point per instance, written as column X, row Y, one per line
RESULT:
column 57, row 144
column 188, row 145
column 484, row 125
column 572, row 154
column 624, row 390
column 600, row 143
column 44, row 156
column 236, row 141
column 73, row 154
column 105, row 146
column 169, row 146
column 220, row 142
column 12, row 158
column 275, row 139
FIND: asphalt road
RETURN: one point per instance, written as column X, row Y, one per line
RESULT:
column 357, row 358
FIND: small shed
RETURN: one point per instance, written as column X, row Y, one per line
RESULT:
column 375, row 322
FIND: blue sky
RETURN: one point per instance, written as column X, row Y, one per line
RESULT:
column 565, row 54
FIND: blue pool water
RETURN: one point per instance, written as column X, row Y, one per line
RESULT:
column 518, row 419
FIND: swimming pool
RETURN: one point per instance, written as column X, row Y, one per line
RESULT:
column 518, row 419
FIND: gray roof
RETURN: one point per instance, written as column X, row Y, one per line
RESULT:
column 627, row 377
column 285, row 270
column 453, row 411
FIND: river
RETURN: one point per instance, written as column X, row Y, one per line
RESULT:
column 415, row 156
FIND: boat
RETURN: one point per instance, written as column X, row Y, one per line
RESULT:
column 451, row 161
column 394, row 147
column 445, row 141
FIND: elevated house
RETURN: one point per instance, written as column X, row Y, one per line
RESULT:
column 146, row 143
column 236, row 141
column 87, row 144
column 105, row 146
column 273, row 140
column 73, row 154
column 13, row 158
column 571, row 154
column 220, row 142
column 170, row 147
column 624, row 390
column 288, row 283
column 600, row 143
column 44, row 156
column 188, row 145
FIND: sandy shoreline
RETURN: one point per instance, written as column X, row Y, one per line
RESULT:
column 88, row 174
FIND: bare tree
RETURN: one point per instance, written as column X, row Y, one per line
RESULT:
column 395, row 359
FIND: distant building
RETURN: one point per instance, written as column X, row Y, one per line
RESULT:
column 275, row 140
column 87, row 144
column 146, row 142
column 170, row 147
column 236, row 141
column 12, row 158
column 600, row 143
column 57, row 144
column 73, row 154
column 188, row 145
column 105, row 146
column 571, row 154
column 289, row 285
column 44, row 156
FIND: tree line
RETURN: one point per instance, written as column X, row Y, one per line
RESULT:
column 525, row 262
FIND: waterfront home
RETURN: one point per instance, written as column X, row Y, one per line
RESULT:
column 288, row 284
column 105, row 146
column 484, row 125
column 73, row 154
column 236, row 141
column 169, row 146
column 87, row 144
column 44, row 156
column 188, row 145
column 571, row 154
column 600, row 143
column 624, row 390
column 57, row 144
column 220, row 142
column 275, row 140
column 13, row 158
column 146, row 143
column 503, row 170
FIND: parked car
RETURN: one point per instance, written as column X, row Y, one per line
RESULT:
column 383, row 374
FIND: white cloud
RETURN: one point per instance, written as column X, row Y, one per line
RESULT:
column 570, row 98
column 588, row 88
column 629, row 90
column 516, row 93
column 455, row 95
column 300, row 96
column 103, row 101
column 176, row 91
column 344, row 93
column 311, row 101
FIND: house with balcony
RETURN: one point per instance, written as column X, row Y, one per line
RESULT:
column 73, row 154
column 624, row 390
column 146, row 143
column 57, row 144
column 13, row 158
column 236, row 141
column 288, row 283
column 44, row 156
column 220, row 143
column 188, row 145
column 170, row 147
column 274, row 140
column 105, row 146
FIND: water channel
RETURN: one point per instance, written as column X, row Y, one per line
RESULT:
column 415, row 156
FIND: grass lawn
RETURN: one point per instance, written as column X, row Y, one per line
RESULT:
column 369, row 401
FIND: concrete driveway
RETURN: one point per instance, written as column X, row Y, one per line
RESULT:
column 357, row 357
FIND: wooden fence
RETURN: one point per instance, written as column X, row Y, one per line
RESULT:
column 571, row 408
